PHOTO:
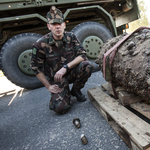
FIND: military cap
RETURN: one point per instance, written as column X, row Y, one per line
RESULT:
column 55, row 15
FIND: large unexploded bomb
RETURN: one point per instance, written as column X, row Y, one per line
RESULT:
column 130, row 67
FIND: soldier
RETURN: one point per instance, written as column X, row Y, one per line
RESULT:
column 64, row 61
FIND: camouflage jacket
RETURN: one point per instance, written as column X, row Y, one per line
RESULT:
column 49, row 56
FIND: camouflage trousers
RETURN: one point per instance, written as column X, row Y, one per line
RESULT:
column 79, row 75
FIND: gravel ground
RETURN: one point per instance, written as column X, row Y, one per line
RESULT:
column 28, row 124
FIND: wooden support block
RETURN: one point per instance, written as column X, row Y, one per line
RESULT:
column 124, row 97
column 119, row 88
column 128, row 98
column 137, row 130
column 107, row 87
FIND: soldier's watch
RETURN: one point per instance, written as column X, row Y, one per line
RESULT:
column 66, row 66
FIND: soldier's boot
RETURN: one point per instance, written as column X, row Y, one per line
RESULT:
column 77, row 93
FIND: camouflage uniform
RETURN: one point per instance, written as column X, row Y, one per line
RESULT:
column 49, row 56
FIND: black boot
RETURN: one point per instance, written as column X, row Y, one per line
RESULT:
column 77, row 93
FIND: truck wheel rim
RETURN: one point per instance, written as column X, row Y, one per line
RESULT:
column 92, row 45
column 24, row 61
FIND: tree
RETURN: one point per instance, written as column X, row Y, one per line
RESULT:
column 143, row 21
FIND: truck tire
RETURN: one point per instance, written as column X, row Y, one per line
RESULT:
column 92, row 35
column 16, row 58
column 0, row 61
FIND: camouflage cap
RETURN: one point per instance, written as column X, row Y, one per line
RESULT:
column 55, row 15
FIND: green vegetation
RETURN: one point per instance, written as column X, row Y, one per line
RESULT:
column 1, row 74
column 143, row 21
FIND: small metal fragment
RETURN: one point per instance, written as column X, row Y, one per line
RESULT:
column 76, row 122
column 148, row 82
column 84, row 139
column 130, row 45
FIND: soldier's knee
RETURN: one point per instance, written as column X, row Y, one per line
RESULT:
column 61, row 110
column 90, row 67
column 88, row 64
column 60, row 107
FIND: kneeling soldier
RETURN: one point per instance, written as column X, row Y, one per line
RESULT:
column 64, row 61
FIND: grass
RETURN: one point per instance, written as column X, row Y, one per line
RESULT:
column 1, row 74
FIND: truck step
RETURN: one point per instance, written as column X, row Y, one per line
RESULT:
column 133, row 130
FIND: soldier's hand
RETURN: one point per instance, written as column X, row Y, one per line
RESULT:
column 54, row 89
column 59, row 74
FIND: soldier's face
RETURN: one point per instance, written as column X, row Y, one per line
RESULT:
column 57, row 30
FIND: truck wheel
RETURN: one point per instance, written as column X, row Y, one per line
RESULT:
column 92, row 35
column 16, row 58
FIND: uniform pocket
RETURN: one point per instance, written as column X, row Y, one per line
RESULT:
column 70, row 55
column 53, row 62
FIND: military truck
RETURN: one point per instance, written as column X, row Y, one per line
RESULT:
column 22, row 22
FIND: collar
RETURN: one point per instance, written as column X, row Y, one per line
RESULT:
column 53, row 41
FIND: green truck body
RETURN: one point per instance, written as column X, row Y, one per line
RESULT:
column 22, row 22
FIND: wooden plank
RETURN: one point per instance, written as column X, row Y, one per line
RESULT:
column 124, row 136
column 137, row 129
column 142, row 108
column 7, row 91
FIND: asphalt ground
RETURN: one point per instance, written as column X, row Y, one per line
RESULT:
column 26, row 123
